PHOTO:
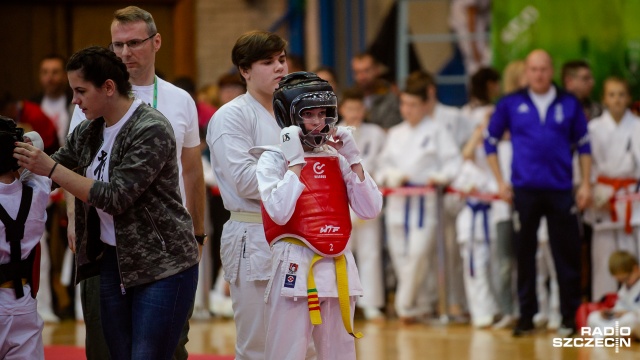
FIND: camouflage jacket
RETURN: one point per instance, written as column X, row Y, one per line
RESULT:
column 154, row 232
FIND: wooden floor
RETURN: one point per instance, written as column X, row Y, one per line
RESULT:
column 390, row 341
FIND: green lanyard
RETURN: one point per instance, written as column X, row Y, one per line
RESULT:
column 155, row 92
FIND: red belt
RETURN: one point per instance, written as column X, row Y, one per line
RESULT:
column 619, row 184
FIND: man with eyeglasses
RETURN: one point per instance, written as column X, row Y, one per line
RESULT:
column 135, row 40
column 577, row 79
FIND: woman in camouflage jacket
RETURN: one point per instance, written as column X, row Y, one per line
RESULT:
column 131, row 226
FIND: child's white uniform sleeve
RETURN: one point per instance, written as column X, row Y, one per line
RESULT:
column 364, row 197
column 279, row 188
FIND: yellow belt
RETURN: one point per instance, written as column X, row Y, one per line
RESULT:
column 343, row 290
column 9, row 284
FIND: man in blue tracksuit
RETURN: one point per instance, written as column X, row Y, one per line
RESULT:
column 546, row 126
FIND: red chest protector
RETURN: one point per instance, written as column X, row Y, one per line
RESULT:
column 321, row 218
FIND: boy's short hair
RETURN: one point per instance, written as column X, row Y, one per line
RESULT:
column 570, row 68
column 418, row 84
column 352, row 94
column 254, row 46
column 9, row 134
column 622, row 262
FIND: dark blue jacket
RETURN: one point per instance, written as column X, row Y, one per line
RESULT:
column 542, row 151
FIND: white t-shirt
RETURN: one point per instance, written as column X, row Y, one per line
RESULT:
column 99, row 170
column 58, row 111
column 177, row 106
column 10, row 196
column 542, row 102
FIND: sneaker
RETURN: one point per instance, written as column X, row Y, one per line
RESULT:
column 523, row 327
column 49, row 317
column 505, row 322
column 567, row 329
column 540, row 320
column 554, row 322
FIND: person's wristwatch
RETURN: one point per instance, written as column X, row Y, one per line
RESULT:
column 201, row 238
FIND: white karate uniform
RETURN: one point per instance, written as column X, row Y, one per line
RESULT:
column 616, row 154
column 461, row 126
column 366, row 237
column 629, row 302
column 417, row 153
column 246, row 259
column 477, row 232
column 287, row 308
column 459, row 123
column 20, row 325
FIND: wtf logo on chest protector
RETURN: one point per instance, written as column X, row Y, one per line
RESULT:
column 329, row 229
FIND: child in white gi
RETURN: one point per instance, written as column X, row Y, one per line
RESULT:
column 626, row 313
column 615, row 139
column 23, row 200
column 419, row 151
column 306, row 198
column 366, row 239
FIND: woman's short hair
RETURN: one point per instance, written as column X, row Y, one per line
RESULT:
column 254, row 46
column 98, row 64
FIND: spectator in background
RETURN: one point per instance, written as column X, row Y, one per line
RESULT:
column 295, row 62
column 327, row 73
column 55, row 102
column 55, row 98
column 366, row 235
column 470, row 20
column 616, row 162
column 513, row 78
column 545, row 123
column 230, row 86
column 577, row 79
column 477, row 222
column 460, row 129
column 623, row 266
column 418, row 152
column 380, row 101
column 30, row 116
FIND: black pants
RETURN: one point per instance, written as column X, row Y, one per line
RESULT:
column 560, row 211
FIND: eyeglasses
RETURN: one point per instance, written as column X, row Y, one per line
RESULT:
column 133, row 44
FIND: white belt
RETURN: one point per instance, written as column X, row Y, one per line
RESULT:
column 248, row 217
